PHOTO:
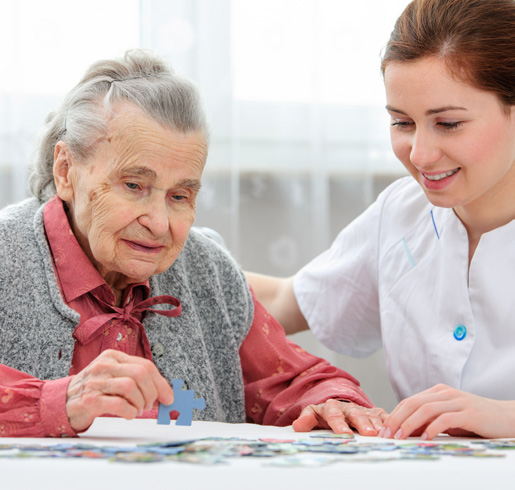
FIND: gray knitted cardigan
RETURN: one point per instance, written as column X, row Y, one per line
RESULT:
column 200, row 346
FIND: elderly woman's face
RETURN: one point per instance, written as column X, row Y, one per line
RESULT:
column 132, row 203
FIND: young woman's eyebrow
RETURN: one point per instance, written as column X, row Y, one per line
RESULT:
column 429, row 112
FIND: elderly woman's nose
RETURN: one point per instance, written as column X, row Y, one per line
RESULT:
column 155, row 218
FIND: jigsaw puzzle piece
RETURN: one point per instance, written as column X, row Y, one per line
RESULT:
column 184, row 403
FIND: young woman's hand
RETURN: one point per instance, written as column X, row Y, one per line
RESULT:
column 442, row 409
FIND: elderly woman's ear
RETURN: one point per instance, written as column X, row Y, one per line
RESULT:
column 62, row 171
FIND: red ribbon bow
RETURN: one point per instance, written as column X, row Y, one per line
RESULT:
column 94, row 326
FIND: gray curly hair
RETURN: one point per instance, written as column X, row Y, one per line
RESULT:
column 141, row 78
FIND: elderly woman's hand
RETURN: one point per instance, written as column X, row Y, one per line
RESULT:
column 116, row 384
column 341, row 417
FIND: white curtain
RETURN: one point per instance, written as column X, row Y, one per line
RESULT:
column 45, row 47
column 299, row 133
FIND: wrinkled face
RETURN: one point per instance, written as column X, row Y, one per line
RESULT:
column 132, row 203
column 457, row 141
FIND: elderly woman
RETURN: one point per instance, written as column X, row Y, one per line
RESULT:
column 87, row 325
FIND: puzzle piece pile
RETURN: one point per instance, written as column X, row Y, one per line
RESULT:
column 317, row 450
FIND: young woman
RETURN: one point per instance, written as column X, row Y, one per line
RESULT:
column 427, row 270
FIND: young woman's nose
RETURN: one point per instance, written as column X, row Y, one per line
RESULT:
column 424, row 149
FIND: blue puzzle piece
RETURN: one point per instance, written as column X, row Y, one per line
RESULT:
column 184, row 403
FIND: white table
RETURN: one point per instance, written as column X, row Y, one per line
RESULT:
column 242, row 473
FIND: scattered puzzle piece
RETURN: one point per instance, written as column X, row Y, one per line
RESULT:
column 184, row 403
column 318, row 450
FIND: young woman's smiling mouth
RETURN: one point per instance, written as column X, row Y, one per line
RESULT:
column 438, row 181
column 436, row 177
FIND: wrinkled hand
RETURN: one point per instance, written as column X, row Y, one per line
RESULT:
column 116, row 384
column 341, row 417
column 444, row 409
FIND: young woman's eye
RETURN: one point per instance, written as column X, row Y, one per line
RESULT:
column 449, row 126
column 402, row 125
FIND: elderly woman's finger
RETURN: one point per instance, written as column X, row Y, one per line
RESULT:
column 316, row 416
column 153, row 383
column 333, row 414
column 82, row 411
column 126, row 384
column 123, row 387
column 377, row 417
column 308, row 420
column 365, row 421
column 146, row 379
column 341, row 417
column 149, row 381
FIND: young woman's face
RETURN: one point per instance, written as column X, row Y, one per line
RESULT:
column 457, row 141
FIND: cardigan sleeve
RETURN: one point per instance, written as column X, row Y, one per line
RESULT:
column 30, row 407
column 281, row 378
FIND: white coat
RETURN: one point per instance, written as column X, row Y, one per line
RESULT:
column 398, row 276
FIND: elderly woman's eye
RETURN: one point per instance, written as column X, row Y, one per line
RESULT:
column 132, row 186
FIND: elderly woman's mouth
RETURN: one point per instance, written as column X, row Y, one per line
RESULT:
column 144, row 247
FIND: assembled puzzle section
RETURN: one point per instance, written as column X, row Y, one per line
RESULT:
column 184, row 403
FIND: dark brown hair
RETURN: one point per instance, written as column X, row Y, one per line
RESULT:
column 474, row 38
